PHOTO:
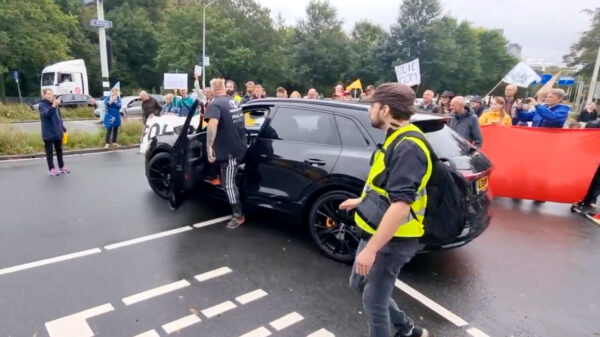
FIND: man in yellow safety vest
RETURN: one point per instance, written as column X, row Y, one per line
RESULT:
column 391, row 210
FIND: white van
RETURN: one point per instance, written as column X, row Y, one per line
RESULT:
column 68, row 77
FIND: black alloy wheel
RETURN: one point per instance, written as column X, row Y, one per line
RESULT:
column 333, row 230
column 158, row 173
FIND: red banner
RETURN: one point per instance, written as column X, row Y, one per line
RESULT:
column 541, row 164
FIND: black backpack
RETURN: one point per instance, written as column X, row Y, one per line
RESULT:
column 445, row 216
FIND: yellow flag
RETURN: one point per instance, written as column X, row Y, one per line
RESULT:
column 355, row 85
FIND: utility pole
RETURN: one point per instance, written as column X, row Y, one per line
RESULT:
column 594, row 79
column 204, row 43
column 103, row 56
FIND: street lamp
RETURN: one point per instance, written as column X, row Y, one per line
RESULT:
column 204, row 42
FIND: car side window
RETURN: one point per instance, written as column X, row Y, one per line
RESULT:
column 303, row 126
column 350, row 133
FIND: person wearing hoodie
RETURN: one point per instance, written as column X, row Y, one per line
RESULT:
column 53, row 130
column 112, row 118
column 496, row 114
column 465, row 122
column 552, row 114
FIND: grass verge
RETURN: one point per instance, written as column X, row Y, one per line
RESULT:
column 20, row 112
column 13, row 141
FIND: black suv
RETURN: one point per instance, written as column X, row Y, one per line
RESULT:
column 304, row 158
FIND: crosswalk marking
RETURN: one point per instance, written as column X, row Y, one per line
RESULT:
column 213, row 274
column 286, row 321
column 321, row 333
column 251, row 296
column 76, row 324
column 260, row 332
column 218, row 309
column 181, row 323
column 155, row 292
column 150, row 333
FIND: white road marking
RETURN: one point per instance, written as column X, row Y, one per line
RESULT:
column 218, row 309
column 260, row 332
column 321, row 333
column 251, row 296
column 447, row 314
column 76, row 324
column 476, row 333
column 286, row 321
column 155, row 292
column 148, row 238
column 181, row 324
column 212, row 222
column 49, row 261
column 150, row 333
column 213, row 274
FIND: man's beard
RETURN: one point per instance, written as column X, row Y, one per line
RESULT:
column 230, row 92
column 377, row 122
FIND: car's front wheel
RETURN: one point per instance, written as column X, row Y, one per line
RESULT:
column 158, row 173
column 333, row 230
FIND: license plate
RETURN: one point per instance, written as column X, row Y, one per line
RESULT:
column 482, row 184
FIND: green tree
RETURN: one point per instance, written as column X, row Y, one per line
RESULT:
column 467, row 56
column 495, row 59
column 321, row 47
column 365, row 38
column 584, row 52
column 33, row 33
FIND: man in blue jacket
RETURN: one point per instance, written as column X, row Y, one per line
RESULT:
column 549, row 115
column 52, row 131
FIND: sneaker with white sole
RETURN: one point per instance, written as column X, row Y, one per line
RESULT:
column 54, row 172
column 65, row 170
column 236, row 222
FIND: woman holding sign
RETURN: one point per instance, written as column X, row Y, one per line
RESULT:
column 112, row 118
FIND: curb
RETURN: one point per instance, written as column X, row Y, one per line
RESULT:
column 66, row 153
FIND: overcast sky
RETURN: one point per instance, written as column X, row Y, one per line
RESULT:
column 544, row 28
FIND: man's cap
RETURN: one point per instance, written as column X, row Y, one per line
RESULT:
column 448, row 93
column 477, row 99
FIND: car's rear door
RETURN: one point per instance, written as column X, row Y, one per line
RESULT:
column 295, row 148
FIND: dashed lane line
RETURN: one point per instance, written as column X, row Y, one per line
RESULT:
column 212, row 222
column 259, row 332
column 44, row 262
column 218, row 309
column 213, row 274
column 149, row 333
column 148, row 294
column 286, row 321
column 181, row 323
column 476, row 333
column 321, row 333
column 251, row 296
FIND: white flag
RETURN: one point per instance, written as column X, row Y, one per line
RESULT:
column 521, row 75
column 117, row 86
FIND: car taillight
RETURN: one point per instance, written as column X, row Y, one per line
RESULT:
column 473, row 176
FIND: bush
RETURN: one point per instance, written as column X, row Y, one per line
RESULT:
column 14, row 141
column 21, row 112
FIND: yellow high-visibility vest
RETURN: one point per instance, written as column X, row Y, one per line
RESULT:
column 411, row 227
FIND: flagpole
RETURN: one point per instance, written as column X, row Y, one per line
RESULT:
column 494, row 88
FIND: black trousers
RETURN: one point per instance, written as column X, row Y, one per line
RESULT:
column 229, row 170
column 59, row 153
column 114, row 131
column 594, row 190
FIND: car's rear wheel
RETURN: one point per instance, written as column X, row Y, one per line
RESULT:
column 158, row 173
column 333, row 230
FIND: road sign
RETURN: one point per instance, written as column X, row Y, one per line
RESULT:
column 101, row 23
column 15, row 76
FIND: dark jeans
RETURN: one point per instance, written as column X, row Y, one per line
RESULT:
column 59, row 154
column 594, row 190
column 229, row 170
column 377, row 287
column 114, row 131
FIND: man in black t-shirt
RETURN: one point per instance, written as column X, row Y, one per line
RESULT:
column 226, row 143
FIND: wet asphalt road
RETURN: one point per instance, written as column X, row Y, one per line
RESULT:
column 534, row 272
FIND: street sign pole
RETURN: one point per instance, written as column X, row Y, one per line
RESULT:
column 594, row 79
column 16, row 78
column 103, row 56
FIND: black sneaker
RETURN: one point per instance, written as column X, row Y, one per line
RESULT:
column 236, row 222
column 417, row 331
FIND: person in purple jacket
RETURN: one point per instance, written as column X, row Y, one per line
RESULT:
column 52, row 131
column 552, row 114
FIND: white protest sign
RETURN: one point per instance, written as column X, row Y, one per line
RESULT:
column 161, row 125
column 409, row 73
column 198, row 71
column 175, row 81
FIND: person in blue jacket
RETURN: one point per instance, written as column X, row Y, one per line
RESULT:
column 53, row 130
column 549, row 115
column 112, row 118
